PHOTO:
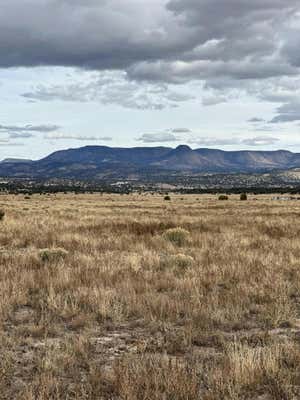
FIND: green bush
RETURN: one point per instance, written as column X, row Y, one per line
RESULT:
column 223, row 197
column 177, row 236
column 243, row 196
column 2, row 213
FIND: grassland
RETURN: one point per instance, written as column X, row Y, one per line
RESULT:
column 102, row 297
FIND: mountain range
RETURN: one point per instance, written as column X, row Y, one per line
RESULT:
column 97, row 162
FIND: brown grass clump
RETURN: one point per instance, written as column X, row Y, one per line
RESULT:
column 145, row 299
column 156, row 377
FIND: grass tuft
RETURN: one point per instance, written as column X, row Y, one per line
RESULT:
column 53, row 254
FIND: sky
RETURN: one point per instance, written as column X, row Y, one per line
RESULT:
column 207, row 73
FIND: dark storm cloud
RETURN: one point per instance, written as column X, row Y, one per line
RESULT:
column 184, row 71
column 229, row 45
column 235, row 38
column 291, row 48
column 288, row 112
column 173, row 41
column 98, row 35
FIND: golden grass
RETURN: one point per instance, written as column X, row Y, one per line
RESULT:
column 132, row 297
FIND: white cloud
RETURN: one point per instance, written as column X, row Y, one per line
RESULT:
column 158, row 137
column 65, row 136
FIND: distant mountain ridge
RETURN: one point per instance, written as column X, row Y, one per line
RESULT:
column 96, row 162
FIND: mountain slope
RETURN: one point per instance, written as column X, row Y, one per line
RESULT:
column 15, row 160
column 95, row 162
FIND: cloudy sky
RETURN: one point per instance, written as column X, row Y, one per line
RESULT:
column 209, row 73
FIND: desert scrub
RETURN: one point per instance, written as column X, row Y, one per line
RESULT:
column 2, row 214
column 223, row 197
column 53, row 254
column 182, row 261
column 177, row 236
column 177, row 262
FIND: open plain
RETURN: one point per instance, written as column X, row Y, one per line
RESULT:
column 133, row 297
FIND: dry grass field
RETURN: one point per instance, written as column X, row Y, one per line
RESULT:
column 137, row 298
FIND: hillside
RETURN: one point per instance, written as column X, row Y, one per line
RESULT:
column 96, row 162
column 15, row 160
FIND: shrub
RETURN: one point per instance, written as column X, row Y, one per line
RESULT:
column 243, row 196
column 178, row 236
column 53, row 255
column 2, row 213
column 168, row 198
column 223, row 197
column 182, row 261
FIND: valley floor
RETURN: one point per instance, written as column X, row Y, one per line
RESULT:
column 136, row 298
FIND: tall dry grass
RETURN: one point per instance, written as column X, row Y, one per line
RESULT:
column 132, row 297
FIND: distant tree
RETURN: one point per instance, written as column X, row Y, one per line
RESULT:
column 223, row 197
column 243, row 196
